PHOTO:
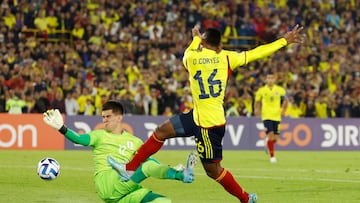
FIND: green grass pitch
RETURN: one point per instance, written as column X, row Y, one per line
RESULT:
column 298, row 177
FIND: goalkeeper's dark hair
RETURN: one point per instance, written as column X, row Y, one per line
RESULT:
column 115, row 106
column 212, row 37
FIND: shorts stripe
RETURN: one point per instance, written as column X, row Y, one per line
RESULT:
column 205, row 142
column 209, row 154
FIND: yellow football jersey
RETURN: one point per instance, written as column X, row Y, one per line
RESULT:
column 208, row 75
column 270, row 102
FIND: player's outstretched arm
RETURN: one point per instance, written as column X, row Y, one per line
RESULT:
column 194, row 45
column 195, row 32
column 262, row 51
column 54, row 119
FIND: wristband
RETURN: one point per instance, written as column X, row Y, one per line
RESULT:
column 63, row 129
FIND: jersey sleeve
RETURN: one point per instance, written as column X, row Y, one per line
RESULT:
column 192, row 47
column 235, row 59
column 265, row 50
column 83, row 139
column 239, row 59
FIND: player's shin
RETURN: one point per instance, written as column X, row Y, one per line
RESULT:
column 151, row 167
column 226, row 179
column 151, row 146
column 271, row 147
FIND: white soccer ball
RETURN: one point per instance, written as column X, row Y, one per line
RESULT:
column 48, row 169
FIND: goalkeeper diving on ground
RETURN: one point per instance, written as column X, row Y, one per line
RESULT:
column 113, row 147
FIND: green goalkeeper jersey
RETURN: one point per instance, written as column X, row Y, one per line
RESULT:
column 122, row 147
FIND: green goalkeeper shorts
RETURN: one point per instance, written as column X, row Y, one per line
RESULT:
column 111, row 188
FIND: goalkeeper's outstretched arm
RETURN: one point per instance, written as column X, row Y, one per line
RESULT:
column 83, row 139
column 54, row 119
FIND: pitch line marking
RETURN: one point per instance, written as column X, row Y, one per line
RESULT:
column 292, row 178
column 300, row 179
column 354, row 171
column 231, row 169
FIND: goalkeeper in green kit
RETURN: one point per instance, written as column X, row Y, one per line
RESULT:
column 112, row 146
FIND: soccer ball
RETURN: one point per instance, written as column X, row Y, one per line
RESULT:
column 48, row 169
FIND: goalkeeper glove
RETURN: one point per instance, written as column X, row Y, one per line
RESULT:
column 54, row 119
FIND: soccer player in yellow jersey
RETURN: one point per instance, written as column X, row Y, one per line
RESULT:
column 209, row 67
column 272, row 101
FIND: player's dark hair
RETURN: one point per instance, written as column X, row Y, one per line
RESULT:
column 115, row 106
column 212, row 37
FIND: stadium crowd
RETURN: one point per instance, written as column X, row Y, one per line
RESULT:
column 75, row 55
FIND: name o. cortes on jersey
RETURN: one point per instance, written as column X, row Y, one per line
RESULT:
column 206, row 60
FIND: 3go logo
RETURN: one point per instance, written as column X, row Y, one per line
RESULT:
column 300, row 135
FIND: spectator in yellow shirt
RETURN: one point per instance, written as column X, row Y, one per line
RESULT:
column 112, row 43
column 52, row 23
column 132, row 72
column 41, row 24
column 78, row 31
column 96, row 38
column 293, row 110
column 321, row 107
column 82, row 100
column 9, row 19
column 89, row 107
column 109, row 16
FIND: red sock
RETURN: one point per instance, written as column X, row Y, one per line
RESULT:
column 270, row 144
column 227, row 180
column 150, row 147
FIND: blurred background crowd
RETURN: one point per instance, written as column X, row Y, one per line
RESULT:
column 75, row 54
